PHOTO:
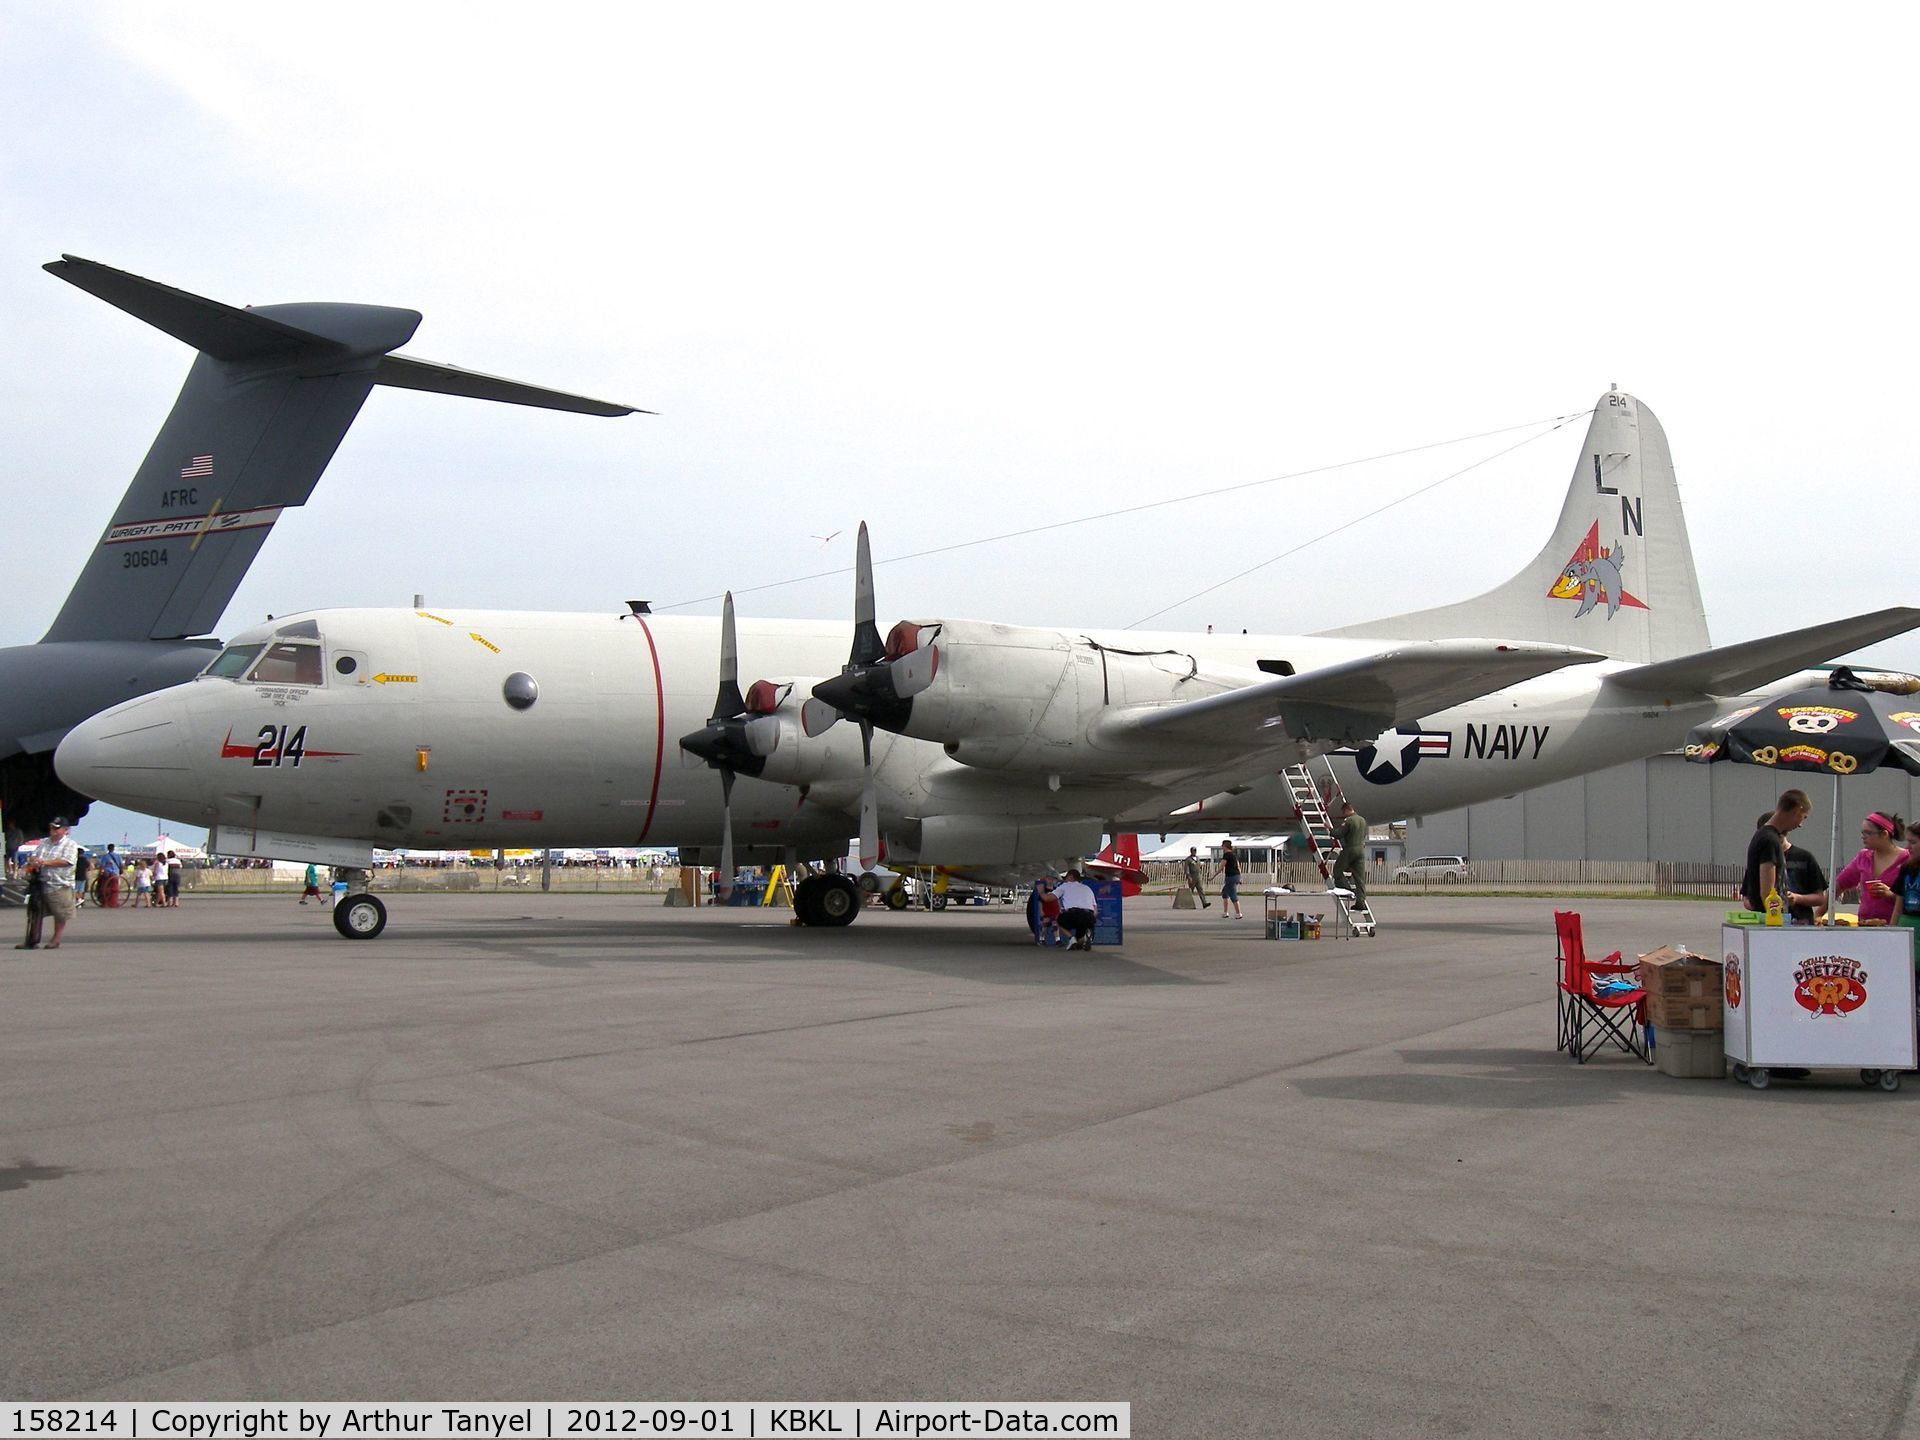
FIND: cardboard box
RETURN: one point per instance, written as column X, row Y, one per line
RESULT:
column 1689, row 1055
column 1683, row 990
column 1677, row 1012
column 1680, row 973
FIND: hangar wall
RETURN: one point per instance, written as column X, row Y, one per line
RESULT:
column 1658, row 809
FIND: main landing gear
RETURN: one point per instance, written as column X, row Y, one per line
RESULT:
column 826, row 900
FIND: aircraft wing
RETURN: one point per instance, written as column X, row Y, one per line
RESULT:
column 1734, row 669
column 1351, row 702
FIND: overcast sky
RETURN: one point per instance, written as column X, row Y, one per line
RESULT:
column 961, row 271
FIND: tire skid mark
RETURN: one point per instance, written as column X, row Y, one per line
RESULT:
column 254, row 1328
column 265, row 1307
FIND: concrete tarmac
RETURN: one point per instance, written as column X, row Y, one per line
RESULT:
column 587, row 1147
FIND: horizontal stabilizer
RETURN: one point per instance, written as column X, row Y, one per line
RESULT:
column 1351, row 702
column 407, row 373
column 1734, row 669
column 225, row 332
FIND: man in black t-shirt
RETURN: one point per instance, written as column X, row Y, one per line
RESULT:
column 1806, row 886
column 1767, row 851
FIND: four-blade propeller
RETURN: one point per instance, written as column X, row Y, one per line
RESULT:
column 875, row 687
column 735, row 741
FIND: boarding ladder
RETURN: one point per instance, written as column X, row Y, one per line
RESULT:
column 1318, row 827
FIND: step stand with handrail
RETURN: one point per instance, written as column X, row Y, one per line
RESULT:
column 1317, row 824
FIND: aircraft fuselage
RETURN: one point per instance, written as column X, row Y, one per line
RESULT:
column 396, row 729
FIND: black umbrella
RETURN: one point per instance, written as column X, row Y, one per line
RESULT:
column 1844, row 727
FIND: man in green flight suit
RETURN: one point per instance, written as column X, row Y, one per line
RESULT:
column 1350, row 866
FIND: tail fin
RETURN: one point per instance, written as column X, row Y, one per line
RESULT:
column 1121, row 860
column 264, row 407
column 1616, row 577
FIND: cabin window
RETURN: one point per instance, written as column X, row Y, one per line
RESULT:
column 232, row 662
column 288, row 664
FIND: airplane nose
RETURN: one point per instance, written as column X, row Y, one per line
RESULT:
column 130, row 756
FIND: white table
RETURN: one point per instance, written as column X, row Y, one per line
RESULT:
column 1307, row 902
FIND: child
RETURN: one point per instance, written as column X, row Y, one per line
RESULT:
column 142, row 884
column 1049, row 916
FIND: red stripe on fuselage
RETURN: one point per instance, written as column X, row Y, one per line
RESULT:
column 660, row 730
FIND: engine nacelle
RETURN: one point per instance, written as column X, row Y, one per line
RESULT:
column 1012, row 697
column 798, row 758
column 997, row 682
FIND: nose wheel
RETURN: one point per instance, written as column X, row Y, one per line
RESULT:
column 360, row 917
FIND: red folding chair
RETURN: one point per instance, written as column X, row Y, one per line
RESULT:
column 1593, row 1009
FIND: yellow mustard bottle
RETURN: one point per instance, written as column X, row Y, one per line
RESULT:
column 1776, row 912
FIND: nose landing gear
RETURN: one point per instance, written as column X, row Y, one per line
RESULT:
column 359, row 916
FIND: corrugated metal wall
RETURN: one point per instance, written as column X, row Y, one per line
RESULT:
column 1659, row 809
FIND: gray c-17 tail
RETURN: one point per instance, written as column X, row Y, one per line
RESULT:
column 267, row 402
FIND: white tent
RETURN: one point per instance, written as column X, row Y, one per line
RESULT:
column 1176, row 848
column 163, row 843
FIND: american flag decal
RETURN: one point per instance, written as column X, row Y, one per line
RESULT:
column 198, row 468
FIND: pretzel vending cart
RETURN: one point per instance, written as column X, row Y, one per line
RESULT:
column 1801, row 996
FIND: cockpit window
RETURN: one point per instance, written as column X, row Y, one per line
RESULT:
column 299, row 630
column 288, row 664
column 231, row 663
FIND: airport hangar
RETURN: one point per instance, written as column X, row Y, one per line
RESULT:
column 1664, row 808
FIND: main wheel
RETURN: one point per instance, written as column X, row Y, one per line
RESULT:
column 897, row 898
column 837, row 901
column 806, row 899
column 360, row 917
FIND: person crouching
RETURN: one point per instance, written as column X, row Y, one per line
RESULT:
column 1077, row 912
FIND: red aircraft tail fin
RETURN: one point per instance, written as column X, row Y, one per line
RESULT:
column 1121, row 859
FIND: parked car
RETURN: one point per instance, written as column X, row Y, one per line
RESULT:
column 1447, row 869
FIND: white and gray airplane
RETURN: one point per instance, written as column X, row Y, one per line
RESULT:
column 974, row 745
